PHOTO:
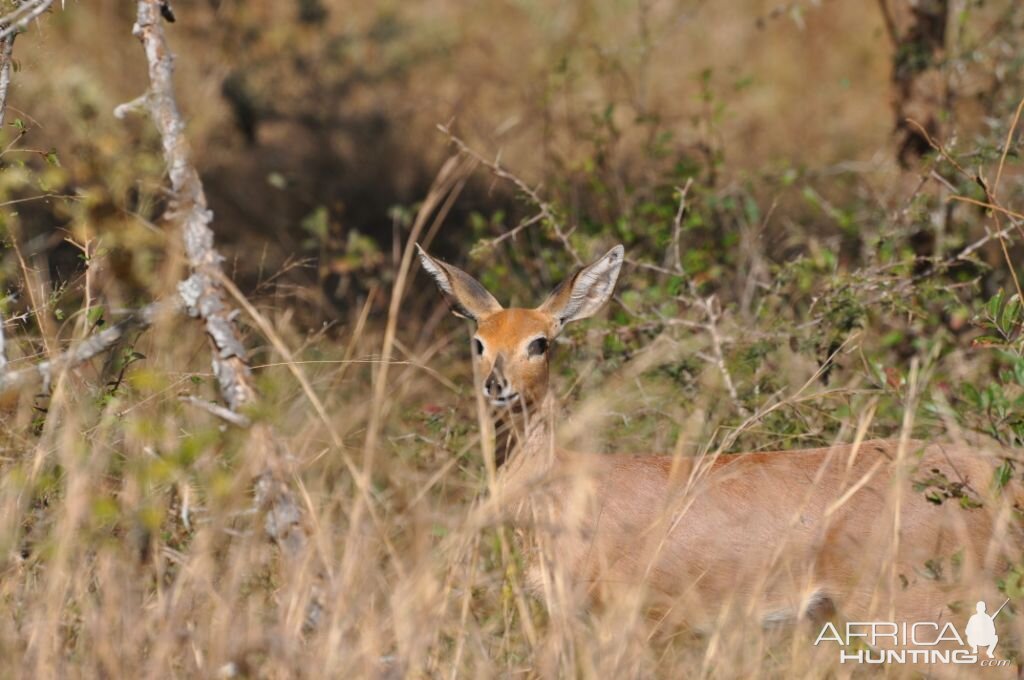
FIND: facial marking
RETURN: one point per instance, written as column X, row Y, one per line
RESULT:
column 516, row 340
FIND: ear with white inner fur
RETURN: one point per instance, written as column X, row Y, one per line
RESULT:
column 467, row 297
column 586, row 291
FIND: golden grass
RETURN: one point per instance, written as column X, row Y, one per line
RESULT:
column 131, row 548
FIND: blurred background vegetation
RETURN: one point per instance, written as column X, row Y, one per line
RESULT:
column 811, row 205
column 794, row 251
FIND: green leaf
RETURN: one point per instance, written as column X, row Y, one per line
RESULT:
column 1003, row 474
column 994, row 304
column 277, row 180
column 968, row 503
column 95, row 315
column 317, row 223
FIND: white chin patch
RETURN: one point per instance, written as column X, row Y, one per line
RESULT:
column 503, row 402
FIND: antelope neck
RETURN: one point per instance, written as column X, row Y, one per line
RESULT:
column 523, row 435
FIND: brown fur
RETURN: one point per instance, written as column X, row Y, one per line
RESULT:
column 768, row 528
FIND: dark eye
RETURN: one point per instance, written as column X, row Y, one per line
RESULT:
column 478, row 346
column 537, row 347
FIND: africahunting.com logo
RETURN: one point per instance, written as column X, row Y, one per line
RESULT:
column 920, row 642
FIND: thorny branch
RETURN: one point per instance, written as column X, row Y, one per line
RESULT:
column 202, row 293
column 546, row 213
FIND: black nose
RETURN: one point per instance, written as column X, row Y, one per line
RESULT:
column 495, row 385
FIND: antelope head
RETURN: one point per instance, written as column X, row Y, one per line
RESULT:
column 511, row 347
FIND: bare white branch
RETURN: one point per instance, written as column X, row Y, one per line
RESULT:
column 80, row 353
column 6, row 54
column 201, row 292
column 204, row 297
column 217, row 410
column 12, row 22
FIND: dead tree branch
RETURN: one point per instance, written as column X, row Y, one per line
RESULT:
column 87, row 349
column 202, row 293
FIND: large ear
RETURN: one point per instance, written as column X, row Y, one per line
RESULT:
column 586, row 291
column 467, row 297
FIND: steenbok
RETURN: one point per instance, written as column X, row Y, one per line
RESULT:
column 851, row 530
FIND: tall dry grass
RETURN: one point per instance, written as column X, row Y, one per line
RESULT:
column 132, row 548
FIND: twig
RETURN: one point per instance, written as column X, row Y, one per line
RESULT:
column 14, row 21
column 546, row 211
column 677, row 225
column 138, row 104
column 217, row 410
column 512, row 233
column 990, row 206
column 990, row 197
column 710, row 307
column 963, row 254
column 1006, row 148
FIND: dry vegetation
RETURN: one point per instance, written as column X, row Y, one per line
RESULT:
column 787, row 282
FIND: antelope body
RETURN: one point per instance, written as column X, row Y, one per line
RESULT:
column 779, row 536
